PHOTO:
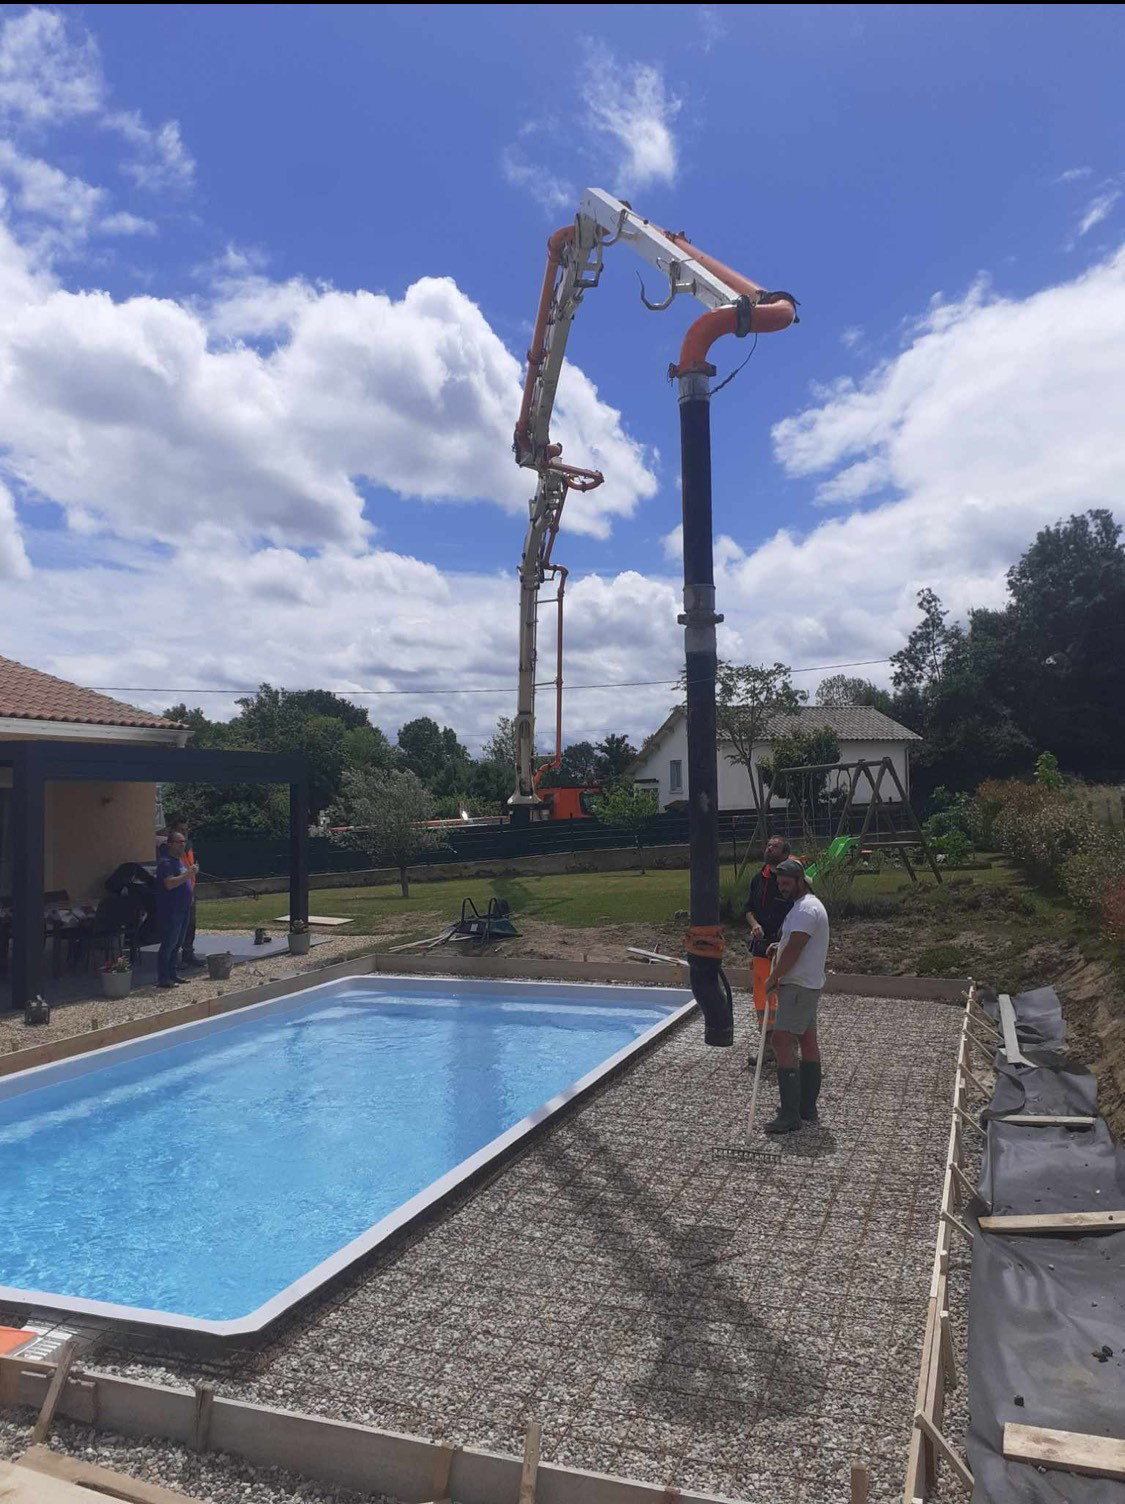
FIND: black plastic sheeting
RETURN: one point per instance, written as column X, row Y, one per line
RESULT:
column 1046, row 1313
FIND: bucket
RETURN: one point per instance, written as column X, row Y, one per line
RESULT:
column 299, row 944
column 219, row 965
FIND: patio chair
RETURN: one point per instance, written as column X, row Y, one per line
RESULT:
column 108, row 934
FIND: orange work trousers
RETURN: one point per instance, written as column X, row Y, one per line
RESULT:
column 759, row 971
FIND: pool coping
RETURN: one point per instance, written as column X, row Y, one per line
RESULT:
column 424, row 1202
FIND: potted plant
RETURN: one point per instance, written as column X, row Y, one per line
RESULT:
column 298, row 937
column 117, row 976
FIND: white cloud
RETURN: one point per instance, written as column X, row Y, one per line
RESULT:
column 123, row 223
column 51, row 74
column 629, row 106
column 1000, row 417
column 162, row 161
column 57, row 213
column 14, row 563
column 851, row 336
column 1074, row 174
column 550, row 192
column 1098, row 209
column 711, row 26
column 150, row 419
column 46, row 75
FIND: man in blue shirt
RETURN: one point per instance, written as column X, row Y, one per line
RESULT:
column 173, row 895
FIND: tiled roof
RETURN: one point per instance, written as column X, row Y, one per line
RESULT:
column 28, row 695
column 851, row 723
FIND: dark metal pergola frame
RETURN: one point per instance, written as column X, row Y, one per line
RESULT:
column 34, row 764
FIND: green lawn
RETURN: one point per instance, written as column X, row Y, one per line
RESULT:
column 575, row 900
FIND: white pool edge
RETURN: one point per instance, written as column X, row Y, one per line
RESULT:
column 359, row 1247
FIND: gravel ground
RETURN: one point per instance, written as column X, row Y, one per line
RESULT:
column 214, row 1478
column 731, row 1325
column 95, row 1011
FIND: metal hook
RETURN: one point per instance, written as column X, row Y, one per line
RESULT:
column 616, row 236
column 672, row 290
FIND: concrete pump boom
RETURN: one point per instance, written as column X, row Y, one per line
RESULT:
column 735, row 306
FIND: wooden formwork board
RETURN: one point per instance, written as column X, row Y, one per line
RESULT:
column 936, row 1370
column 340, row 1453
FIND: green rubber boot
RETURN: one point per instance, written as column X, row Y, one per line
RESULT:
column 788, row 1119
column 810, row 1090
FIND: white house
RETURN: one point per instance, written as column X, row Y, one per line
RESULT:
column 861, row 731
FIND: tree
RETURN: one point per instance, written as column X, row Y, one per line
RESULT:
column 489, row 785
column 800, row 749
column 629, row 808
column 839, row 690
column 322, row 744
column 434, row 754
column 368, row 747
column 918, row 665
column 577, row 769
column 748, row 698
column 1067, row 611
column 385, row 815
column 501, row 745
column 615, row 754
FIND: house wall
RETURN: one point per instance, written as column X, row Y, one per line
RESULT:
column 735, row 791
column 89, row 829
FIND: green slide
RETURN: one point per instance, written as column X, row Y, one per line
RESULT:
column 836, row 852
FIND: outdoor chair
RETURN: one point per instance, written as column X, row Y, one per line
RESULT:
column 107, row 935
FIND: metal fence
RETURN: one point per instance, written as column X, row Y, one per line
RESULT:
column 497, row 843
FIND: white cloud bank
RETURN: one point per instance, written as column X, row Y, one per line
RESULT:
column 212, row 462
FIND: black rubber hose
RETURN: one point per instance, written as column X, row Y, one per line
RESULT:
column 712, row 992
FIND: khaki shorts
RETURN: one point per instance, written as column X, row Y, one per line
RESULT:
column 796, row 1008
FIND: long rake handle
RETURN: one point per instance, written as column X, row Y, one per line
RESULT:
column 758, row 1064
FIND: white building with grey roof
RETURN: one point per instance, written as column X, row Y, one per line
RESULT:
column 863, row 733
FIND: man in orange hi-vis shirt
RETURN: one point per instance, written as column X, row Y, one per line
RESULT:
column 765, row 914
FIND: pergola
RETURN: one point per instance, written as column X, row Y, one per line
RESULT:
column 36, row 763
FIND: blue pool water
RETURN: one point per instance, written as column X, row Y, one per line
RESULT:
column 204, row 1177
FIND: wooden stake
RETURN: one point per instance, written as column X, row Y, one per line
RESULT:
column 965, row 1185
column 956, row 1222
column 201, row 1417
column 948, row 1357
column 443, row 1469
column 54, row 1392
column 931, row 1432
column 530, row 1462
column 981, row 1044
column 972, row 1122
column 985, row 1091
column 860, row 1481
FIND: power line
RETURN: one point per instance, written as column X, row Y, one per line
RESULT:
column 160, row 689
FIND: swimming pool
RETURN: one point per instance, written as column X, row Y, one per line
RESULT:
column 208, row 1176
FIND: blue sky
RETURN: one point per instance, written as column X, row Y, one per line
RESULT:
column 200, row 389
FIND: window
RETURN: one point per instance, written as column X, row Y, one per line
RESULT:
column 675, row 776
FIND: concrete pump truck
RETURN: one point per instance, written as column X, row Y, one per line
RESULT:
column 735, row 305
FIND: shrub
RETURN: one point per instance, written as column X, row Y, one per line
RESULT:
column 1113, row 912
column 1096, row 868
column 1062, row 846
column 943, row 960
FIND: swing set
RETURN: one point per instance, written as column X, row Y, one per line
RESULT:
column 878, row 831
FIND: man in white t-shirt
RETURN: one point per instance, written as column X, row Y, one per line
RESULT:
column 798, row 976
